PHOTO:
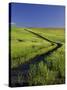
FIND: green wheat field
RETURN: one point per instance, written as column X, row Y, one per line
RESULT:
column 37, row 56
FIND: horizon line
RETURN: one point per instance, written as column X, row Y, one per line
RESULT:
column 35, row 27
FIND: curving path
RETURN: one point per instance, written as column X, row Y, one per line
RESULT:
column 23, row 69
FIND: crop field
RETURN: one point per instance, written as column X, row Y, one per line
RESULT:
column 37, row 56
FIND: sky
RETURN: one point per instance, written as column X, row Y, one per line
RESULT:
column 36, row 15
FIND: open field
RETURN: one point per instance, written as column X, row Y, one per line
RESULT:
column 37, row 56
column 54, row 34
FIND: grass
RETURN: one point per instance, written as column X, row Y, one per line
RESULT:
column 52, row 72
column 42, row 75
column 25, row 46
column 29, row 46
column 54, row 34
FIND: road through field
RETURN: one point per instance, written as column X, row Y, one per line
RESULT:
column 23, row 69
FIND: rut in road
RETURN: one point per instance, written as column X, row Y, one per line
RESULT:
column 23, row 69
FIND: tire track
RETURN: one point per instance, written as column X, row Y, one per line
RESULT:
column 23, row 69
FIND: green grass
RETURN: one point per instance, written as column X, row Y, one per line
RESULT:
column 51, row 73
column 51, row 33
column 25, row 46
column 41, row 75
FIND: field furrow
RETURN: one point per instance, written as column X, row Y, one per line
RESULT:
column 22, row 69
